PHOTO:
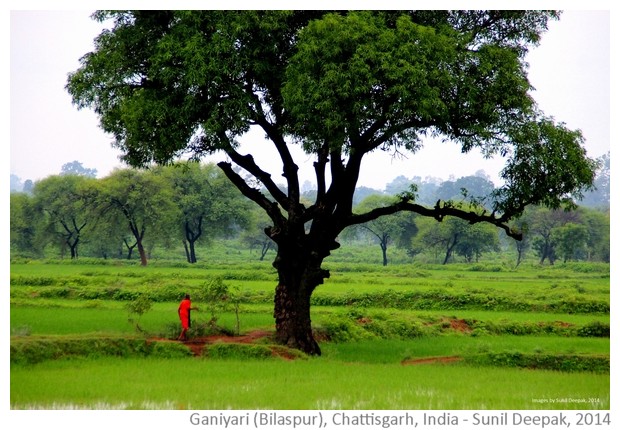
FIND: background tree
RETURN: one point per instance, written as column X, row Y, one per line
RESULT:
column 598, row 224
column 22, row 225
column 397, row 228
column 28, row 186
column 571, row 241
column 209, row 205
column 253, row 235
column 600, row 196
column 76, row 168
column 522, row 246
column 62, row 201
column 342, row 85
column 16, row 183
column 142, row 198
column 105, row 235
column 474, row 187
column 543, row 223
column 457, row 236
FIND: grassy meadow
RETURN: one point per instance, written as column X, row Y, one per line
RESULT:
column 405, row 336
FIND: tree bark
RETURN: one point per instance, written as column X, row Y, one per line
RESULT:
column 142, row 252
column 384, row 246
column 298, row 277
column 450, row 248
column 293, row 322
column 186, row 248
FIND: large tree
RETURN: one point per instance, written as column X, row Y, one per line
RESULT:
column 342, row 85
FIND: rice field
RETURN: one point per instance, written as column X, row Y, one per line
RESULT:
column 385, row 334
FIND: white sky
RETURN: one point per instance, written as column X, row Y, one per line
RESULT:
column 570, row 71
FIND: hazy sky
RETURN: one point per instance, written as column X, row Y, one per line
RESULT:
column 570, row 71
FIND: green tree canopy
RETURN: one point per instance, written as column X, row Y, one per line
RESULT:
column 62, row 202
column 142, row 198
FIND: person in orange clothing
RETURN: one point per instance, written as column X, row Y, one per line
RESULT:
column 185, row 308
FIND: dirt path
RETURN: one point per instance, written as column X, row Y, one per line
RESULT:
column 197, row 344
column 431, row 360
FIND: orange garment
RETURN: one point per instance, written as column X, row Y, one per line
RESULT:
column 184, row 313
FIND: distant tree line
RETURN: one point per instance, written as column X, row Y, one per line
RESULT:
column 133, row 211
column 551, row 235
column 129, row 210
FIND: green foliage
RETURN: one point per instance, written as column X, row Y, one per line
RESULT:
column 594, row 329
column 237, row 351
column 138, row 307
column 36, row 349
column 560, row 362
column 215, row 294
column 444, row 299
column 170, row 350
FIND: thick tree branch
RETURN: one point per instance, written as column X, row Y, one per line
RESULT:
column 253, row 194
column 439, row 212
column 289, row 167
column 247, row 163
column 319, row 168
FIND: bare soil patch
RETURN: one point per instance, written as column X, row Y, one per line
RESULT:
column 431, row 360
column 197, row 344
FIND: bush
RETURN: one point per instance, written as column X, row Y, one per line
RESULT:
column 138, row 307
column 594, row 329
column 237, row 351
column 170, row 350
column 34, row 350
column 342, row 330
column 560, row 362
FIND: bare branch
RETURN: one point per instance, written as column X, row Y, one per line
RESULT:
column 289, row 168
column 253, row 194
column 439, row 212
column 247, row 162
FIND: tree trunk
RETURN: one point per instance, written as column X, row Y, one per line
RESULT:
column 142, row 252
column 187, row 256
column 74, row 248
column 384, row 251
column 449, row 248
column 293, row 323
column 297, row 280
column 266, row 246
column 192, row 251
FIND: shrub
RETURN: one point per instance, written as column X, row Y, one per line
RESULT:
column 594, row 329
column 342, row 330
column 237, row 351
column 170, row 350
column 138, row 307
column 34, row 350
column 560, row 362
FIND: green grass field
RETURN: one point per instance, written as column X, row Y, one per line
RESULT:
column 542, row 331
